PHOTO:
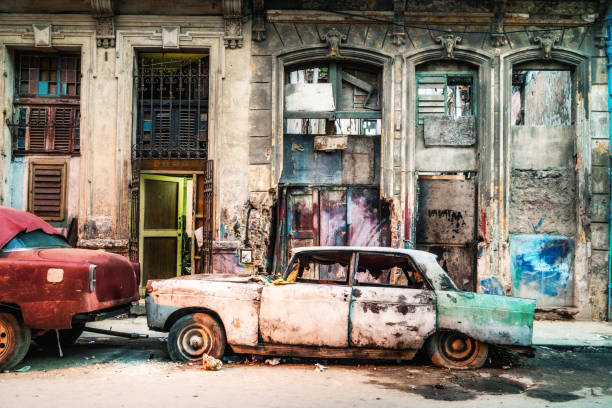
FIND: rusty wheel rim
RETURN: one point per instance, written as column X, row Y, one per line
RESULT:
column 194, row 341
column 458, row 347
column 6, row 338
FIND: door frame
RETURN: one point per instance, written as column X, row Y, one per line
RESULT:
column 160, row 233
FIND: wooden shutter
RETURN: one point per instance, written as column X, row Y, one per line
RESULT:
column 431, row 95
column 63, row 129
column 38, row 119
column 48, row 191
column 161, row 135
column 187, row 129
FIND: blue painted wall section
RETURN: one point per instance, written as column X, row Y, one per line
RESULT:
column 541, row 268
column 18, row 168
column 492, row 286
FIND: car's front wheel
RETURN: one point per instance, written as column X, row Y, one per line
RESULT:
column 14, row 340
column 456, row 350
column 194, row 335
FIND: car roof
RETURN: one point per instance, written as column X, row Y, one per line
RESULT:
column 402, row 251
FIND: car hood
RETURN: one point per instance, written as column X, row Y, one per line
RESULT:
column 14, row 221
column 76, row 255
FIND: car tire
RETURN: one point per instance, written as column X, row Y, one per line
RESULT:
column 15, row 339
column 194, row 335
column 452, row 349
column 68, row 337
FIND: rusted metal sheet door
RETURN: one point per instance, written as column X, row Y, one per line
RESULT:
column 391, row 317
column 446, row 224
column 302, row 217
column 305, row 314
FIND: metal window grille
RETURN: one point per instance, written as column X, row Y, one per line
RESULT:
column 172, row 106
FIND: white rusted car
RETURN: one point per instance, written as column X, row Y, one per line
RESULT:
column 339, row 302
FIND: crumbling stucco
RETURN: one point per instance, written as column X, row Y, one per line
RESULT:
column 542, row 202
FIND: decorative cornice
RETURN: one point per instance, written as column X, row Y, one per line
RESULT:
column 498, row 37
column 104, row 14
column 334, row 38
column 259, row 23
column 399, row 33
column 449, row 41
column 232, row 16
column 547, row 41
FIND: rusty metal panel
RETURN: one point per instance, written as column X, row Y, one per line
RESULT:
column 332, row 216
column 391, row 318
column 300, row 218
column 457, row 261
column 305, row 314
column 446, row 223
column 236, row 304
column 367, row 226
column 358, row 164
column 487, row 318
column 446, row 211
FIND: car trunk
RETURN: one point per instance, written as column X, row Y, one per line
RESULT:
column 115, row 277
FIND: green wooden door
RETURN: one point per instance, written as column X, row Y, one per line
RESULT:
column 161, row 229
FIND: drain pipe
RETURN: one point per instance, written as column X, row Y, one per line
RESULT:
column 609, row 52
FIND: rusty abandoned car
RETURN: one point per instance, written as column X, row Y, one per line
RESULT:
column 46, row 285
column 356, row 302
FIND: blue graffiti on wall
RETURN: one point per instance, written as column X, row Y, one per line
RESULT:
column 542, row 268
column 492, row 286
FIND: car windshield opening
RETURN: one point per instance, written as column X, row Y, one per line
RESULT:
column 37, row 239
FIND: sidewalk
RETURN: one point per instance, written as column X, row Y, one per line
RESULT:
column 545, row 333
column 572, row 333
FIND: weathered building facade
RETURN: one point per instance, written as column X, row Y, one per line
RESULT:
column 236, row 130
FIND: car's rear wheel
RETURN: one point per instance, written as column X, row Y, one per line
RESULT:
column 67, row 337
column 15, row 340
column 194, row 335
column 456, row 350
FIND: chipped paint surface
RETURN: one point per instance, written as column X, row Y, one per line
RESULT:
column 236, row 303
column 391, row 318
column 487, row 318
column 367, row 316
column 305, row 314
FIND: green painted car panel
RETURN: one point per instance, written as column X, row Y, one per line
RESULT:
column 489, row 318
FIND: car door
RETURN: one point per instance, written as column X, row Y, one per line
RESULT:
column 392, row 306
column 313, row 311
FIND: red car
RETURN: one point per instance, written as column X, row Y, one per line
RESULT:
column 46, row 285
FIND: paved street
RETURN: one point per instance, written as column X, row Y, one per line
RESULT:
column 119, row 372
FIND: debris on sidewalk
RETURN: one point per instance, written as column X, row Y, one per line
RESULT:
column 320, row 368
column 23, row 369
column 210, row 363
column 273, row 361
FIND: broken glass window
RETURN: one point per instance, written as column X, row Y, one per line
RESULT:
column 387, row 270
column 324, row 267
column 445, row 93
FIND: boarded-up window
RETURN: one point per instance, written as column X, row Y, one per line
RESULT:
column 48, row 191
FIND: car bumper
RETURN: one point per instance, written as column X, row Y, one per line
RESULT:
column 59, row 314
